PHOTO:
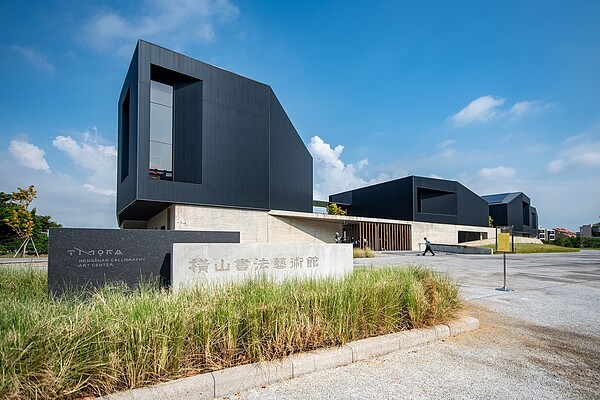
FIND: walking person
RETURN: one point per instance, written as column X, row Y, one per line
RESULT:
column 428, row 247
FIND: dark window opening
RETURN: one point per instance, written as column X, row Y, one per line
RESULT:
column 526, row 214
column 175, row 126
column 465, row 236
column 431, row 201
column 124, row 151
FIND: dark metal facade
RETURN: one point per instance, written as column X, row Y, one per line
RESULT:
column 233, row 144
column 416, row 198
column 513, row 209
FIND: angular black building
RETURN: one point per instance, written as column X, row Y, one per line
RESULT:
column 513, row 209
column 192, row 133
column 416, row 198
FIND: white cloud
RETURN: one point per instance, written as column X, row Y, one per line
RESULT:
column 332, row 175
column 97, row 159
column 176, row 23
column 487, row 108
column 81, row 194
column 498, row 173
column 479, row 110
column 35, row 58
column 556, row 166
column 29, row 155
column 582, row 152
column 521, row 108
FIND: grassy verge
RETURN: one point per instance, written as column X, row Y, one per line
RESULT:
column 118, row 339
column 363, row 253
column 525, row 248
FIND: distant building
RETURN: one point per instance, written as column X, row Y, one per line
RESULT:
column 546, row 234
column 564, row 233
column 418, row 199
column 514, row 209
column 590, row 230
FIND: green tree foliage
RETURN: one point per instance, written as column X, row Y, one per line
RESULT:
column 490, row 221
column 334, row 209
column 17, row 223
column 588, row 243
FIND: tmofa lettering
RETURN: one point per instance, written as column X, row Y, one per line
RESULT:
column 100, row 252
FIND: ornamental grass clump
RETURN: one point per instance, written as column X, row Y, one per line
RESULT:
column 119, row 338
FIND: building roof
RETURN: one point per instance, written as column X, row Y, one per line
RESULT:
column 501, row 198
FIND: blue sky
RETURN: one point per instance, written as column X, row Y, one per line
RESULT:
column 500, row 95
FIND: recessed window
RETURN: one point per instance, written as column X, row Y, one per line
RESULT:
column 161, row 131
column 124, row 150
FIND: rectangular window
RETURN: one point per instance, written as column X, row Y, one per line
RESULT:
column 124, row 150
column 161, row 131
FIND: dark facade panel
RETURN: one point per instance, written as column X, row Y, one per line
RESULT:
column 126, row 181
column 389, row 200
column 233, row 144
column 513, row 209
column 417, row 199
column 288, row 153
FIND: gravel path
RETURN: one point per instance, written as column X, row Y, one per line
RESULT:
column 541, row 340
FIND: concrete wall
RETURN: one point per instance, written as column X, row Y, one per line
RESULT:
column 293, row 227
column 252, row 224
column 294, row 230
column 160, row 220
column 443, row 233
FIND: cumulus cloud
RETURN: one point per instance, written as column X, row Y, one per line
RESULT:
column 97, row 159
column 332, row 175
column 479, row 110
column 176, row 23
column 498, row 173
column 35, row 58
column 28, row 155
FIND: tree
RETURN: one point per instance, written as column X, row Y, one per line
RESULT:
column 490, row 221
column 17, row 222
column 20, row 219
column 334, row 209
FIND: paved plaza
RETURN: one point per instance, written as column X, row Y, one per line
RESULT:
column 540, row 341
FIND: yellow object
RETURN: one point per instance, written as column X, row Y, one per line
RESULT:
column 504, row 243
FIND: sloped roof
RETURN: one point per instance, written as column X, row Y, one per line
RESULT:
column 501, row 198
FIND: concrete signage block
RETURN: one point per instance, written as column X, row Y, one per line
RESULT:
column 81, row 259
column 216, row 264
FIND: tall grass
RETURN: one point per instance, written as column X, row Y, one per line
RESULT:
column 362, row 253
column 117, row 338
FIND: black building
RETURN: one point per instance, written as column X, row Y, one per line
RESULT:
column 416, row 198
column 513, row 209
column 193, row 133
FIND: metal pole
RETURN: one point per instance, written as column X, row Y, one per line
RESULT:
column 504, row 256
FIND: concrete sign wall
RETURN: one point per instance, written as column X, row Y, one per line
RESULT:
column 213, row 264
column 81, row 259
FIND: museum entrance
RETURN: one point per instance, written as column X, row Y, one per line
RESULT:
column 378, row 236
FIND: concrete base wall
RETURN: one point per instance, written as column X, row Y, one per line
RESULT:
column 444, row 233
column 252, row 224
column 292, row 227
